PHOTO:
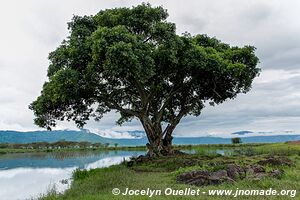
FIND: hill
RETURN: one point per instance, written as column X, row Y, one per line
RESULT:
column 85, row 135
column 211, row 140
column 50, row 136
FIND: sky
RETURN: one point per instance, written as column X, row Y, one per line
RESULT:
column 31, row 29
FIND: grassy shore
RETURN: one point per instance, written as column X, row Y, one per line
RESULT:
column 160, row 173
column 121, row 148
column 199, row 148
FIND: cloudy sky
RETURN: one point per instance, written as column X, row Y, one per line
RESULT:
column 31, row 29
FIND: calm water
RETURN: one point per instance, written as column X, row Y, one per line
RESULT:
column 25, row 176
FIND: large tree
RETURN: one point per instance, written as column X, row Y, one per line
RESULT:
column 132, row 61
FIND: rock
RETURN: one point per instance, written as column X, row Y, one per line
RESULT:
column 254, row 169
column 256, row 172
column 198, row 178
column 276, row 161
column 141, row 159
column 221, row 174
column 186, row 177
column 235, row 171
column 258, row 176
column 276, row 173
column 203, row 177
column 200, row 181
column 219, row 177
column 137, row 160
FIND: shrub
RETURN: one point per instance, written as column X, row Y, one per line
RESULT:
column 236, row 140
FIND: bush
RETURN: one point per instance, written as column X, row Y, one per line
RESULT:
column 236, row 140
column 79, row 174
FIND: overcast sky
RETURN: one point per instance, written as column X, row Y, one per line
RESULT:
column 31, row 29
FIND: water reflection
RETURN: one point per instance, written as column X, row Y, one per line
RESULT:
column 23, row 176
column 58, row 159
column 24, row 183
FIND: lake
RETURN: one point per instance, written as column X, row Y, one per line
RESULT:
column 28, row 175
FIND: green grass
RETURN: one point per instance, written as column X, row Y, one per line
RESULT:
column 8, row 150
column 283, row 149
column 160, row 173
column 278, row 149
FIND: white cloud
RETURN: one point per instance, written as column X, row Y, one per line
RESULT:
column 108, row 133
column 276, row 76
column 32, row 182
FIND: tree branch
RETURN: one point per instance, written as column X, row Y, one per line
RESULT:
column 113, row 105
column 146, row 40
column 174, row 122
column 165, row 103
column 214, row 89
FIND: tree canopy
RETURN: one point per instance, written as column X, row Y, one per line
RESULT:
column 132, row 61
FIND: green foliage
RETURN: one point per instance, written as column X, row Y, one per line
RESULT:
column 131, row 60
column 79, row 174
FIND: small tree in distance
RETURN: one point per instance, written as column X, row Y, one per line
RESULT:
column 236, row 140
column 131, row 60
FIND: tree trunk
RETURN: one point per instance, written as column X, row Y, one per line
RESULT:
column 158, row 145
column 167, row 140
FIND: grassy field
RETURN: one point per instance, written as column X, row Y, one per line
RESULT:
column 160, row 173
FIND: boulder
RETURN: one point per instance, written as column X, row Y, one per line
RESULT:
column 230, row 175
column 276, row 173
column 142, row 159
column 258, row 176
column 283, row 161
column 254, row 169
column 191, row 175
column 199, row 177
column 203, row 177
column 219, row 177
column 235, row 171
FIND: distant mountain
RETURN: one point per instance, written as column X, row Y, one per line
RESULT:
column 241, row 133
column 138, row 140
column 50, row 136
column 137, row 134
column 119, row 135
column 211, row 140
